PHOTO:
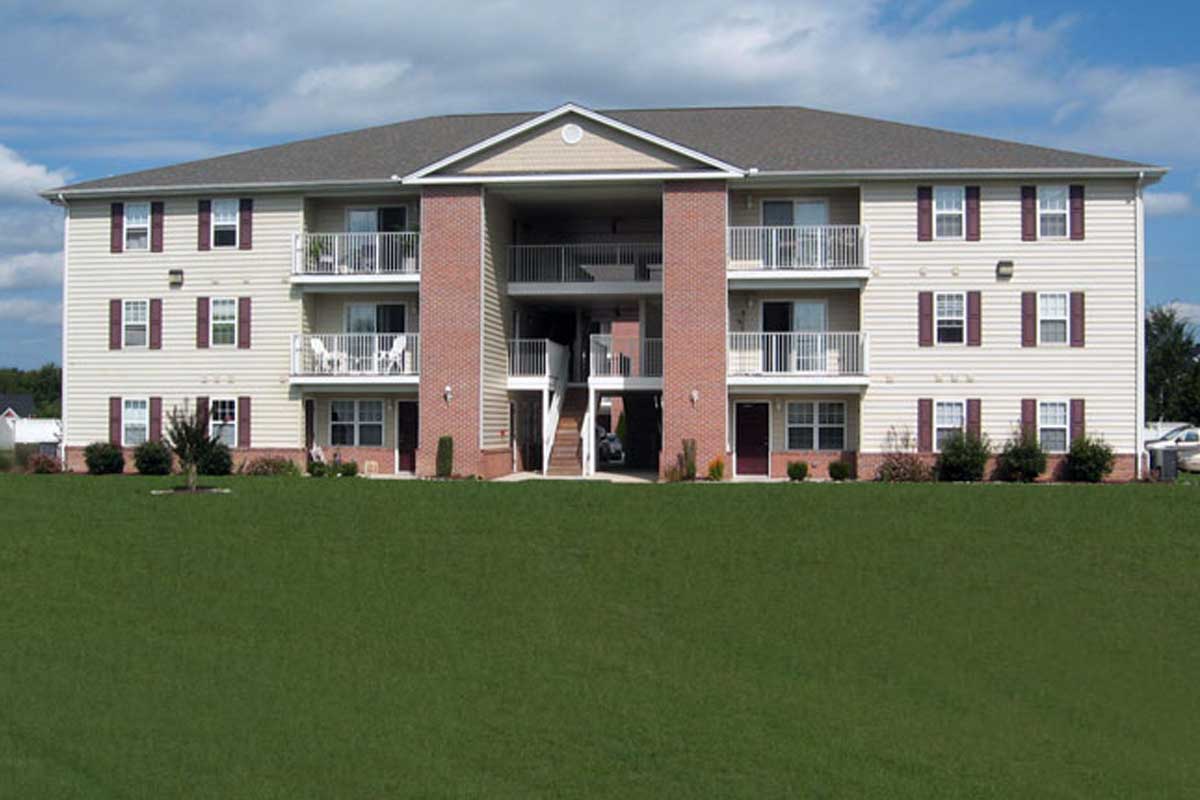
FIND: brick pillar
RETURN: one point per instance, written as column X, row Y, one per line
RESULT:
column 694, row 306
column 624, row 331
column 451, row 219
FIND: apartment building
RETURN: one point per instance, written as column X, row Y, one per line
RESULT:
column 775, row 283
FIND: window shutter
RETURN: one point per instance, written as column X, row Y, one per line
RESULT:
column 245, row 222
column 1028, row 319
column 156, row 419
column 114, row 324
column 974, row 320
column 1076, row 211
column 243, row 421
column 116, row 242
column 924, row 213
column 243, row 332
column 925, row 425
column 156, row 324
column 114, row 420
column 1028, row 213
column 156, row 227
column 204, row 225
column 1077, row 427
column 972, row 213
column 202, row 410
column 974, row 424
column 1077, row 319
column 202, row 307
column 925, row 319
column 1029, row 417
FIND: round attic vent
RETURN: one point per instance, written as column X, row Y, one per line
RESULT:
column 572, row 133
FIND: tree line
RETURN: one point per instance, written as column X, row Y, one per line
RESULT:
column 44, row 383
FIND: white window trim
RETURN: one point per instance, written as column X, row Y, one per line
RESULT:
column 762, row 207
column 125, row 323
column 127, row 226
column 408, row 215
column 212, row 420
column 237, row 225
column 938, row 317
column 212, row 321
column 1055, row 401
column 962, row 213
column 124, row 400
column 1066, row 317
column 1065, row 212
column 358, row 421
column 944, row 400
column 816, row 425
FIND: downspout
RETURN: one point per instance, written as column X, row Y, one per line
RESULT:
column 1140, row 294
column 62, row 389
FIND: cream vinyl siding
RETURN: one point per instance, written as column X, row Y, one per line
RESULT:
column 327, row 312
column 778, row 403
column 328, row 214
column 843, row 204
column 497, row 318
column 179, row 372
column 1001, row 372
column 841, row 307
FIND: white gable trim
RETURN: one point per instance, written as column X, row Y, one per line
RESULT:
column 420, row 176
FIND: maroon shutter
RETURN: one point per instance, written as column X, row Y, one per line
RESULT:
column 245, row 223
column 116, row 239
column 924, row 213
column 114, row 420
column 114, row 324
column 1077, row 319
column 204, row 225
column 1028, row 319
column 202, row 410
column 156, row 324
column 925, row 425
column 1029, row 417
column 201, row 322
column 925, row 319
column 972, row 213
column 974, row 423
column 156, row 227
column 974, row 320
column 1077, row 427
column 155, row 419
column 1076, row 212
column 1029, row 213
column 243, row 422
column 243, row 331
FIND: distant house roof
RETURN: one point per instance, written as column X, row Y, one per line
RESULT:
column 766, row 139
column 19, row 404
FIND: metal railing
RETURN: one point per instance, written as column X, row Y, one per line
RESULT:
column 584, row 263
column 803, row 247
column 626, row 357
column 797, row 354
column 356, row 354
column 527, row 358
column 356, row 253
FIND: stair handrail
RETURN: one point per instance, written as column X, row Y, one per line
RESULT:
column 557, row 366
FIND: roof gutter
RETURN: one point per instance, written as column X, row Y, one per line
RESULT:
column 966, row 172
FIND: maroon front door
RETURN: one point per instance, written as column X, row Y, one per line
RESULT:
column 753, row 432
column 406, row 436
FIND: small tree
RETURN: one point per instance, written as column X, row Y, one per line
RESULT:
column 1022, row 459
column 190, row 441
column 445, row 456
column 964, row 457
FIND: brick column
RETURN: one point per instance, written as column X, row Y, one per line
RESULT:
column 451, row 219
column 694, row 307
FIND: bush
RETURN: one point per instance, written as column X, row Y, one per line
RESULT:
column 689, row 459
column 1089, row 460
column 901, row 463
column 266, row 466
column 839, row 470
column 6, row 460
column 445, row 456
column 318, row 469
column 42, row 464
column 1021, row 460
column 24, row 452
column 152, row 458
column 716, row 469
column 964, row 457
column 797, row 470
column 104, row 458
column 621, row 427
column 215, row 460
column 347, row 469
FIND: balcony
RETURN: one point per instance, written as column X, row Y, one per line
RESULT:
column 626, row 362
column 341, row 259
column 585, row 269
column 791, row 359
column 760, row 255
column 356, row 358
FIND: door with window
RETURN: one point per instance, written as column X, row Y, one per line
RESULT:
column 752, row 429
column 406, row 436
column 793, row 343
column 379, row 340
column 794, row 235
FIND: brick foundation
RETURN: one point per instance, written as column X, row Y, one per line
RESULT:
column 1124, row 468
column 818, row 461
column 75, row 462
column 371, row 460
column 494, row 463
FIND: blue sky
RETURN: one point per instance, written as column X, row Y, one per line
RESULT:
column 100, row 87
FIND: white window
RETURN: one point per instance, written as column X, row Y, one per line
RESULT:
column 135, row 422
column 1053, row 424
column 950, row 317
column 949, row 212
column 949, row 419
column 222, row 421
column 801, row 428
column 356, row 423
column 225, row 222
column 135, row 323
column 137, row 226
column 1053, row 318
column 816, row 426
column 1052, row 212
column 223, row 319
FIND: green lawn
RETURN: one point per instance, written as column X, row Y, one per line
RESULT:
column 371, row 639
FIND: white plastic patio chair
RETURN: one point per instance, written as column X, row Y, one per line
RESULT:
column 392, row 360
column 326, row 361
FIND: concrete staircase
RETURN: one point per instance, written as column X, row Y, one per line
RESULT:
column 566, row 458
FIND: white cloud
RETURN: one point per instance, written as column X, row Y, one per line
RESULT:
column 31, row 312
column 22, row 180
column 1167, row 203
column 29, row 270
column 1187, row 311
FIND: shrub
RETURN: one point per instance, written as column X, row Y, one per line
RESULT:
column 24, row 452
column 6, row 460
column 318, row 469
column 42, row 464
column 621, row 427
column 689, row 459
column 839, row 470
column 673, row 473
column 901, row 463
column 797, row 470
column 192, row 444
column 347, row 469
column 152, row 458
column 271, row 466
column 445, row 456
column 104, row 458
column 716, row 469
column 1089, row 460
column 964, row 457
column 1021, row 459
column 215, row 460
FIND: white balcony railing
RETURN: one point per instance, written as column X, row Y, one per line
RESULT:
column 527, row 358
column 805, row 247
column 584, row 263
column 829, row 354
column 356, row 254
column 626, row 357
column 356, row 354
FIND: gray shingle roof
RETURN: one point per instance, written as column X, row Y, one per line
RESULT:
column 771, row 138
column 22, row 404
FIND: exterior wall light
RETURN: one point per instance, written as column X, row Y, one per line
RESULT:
column 695, row 397
column 448, row 393
column 1004, row 269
